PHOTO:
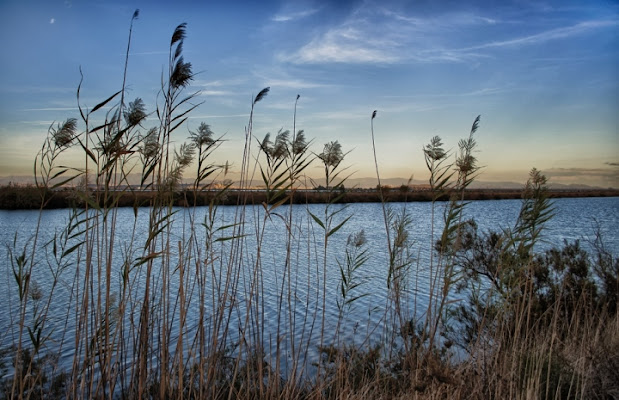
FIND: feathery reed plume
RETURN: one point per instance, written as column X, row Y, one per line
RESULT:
column 63, row 134
column 136, row 113
column 332, row 154
column 262, row 94
column 181, row 75
column 179, row 33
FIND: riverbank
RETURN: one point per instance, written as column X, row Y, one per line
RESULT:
column 15, row 197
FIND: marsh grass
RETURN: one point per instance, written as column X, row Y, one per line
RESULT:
column 525, row 324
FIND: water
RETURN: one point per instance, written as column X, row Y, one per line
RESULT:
column 575, row 219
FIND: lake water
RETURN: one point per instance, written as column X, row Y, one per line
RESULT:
column 575, row 219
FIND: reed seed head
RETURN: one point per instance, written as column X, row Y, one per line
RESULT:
column 262, row 94
column 181, row 75
column 434, row 150
column 64, row 134
column 136, row 112
column 332, row 154
column 300, row 144
column 179, row 33
column 203, row 137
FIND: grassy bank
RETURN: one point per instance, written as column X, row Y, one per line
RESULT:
column 528, row 324
column 29, row 197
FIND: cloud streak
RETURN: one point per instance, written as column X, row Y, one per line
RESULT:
column 604, row 177
column 293, row 84
column 215, row 93
column 388, row 37
column 286, row 17
column 347, row 44
column 552, row 34
column 479, row 92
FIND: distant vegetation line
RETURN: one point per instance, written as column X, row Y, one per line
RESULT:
column 28, row 197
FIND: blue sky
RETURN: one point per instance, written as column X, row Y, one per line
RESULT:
column 543, row 75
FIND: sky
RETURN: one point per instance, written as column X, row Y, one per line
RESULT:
column 543, row 75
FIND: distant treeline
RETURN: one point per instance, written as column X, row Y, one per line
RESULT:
column 14, row 197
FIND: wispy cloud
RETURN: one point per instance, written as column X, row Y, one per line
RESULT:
column 293, row 83
column 345, row 45
column 479, row 92
column 291, row 16
column 220, row 88
column 52, row 21
column 563, row 172
column 440, row 22
column 220, row 83
column 217, row 83
column 602, row 177
column 277, row 77
column 215, row 93
column 37, row 123
column 552, row 34
column 381, row 36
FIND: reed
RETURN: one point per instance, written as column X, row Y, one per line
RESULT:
column 503, row 319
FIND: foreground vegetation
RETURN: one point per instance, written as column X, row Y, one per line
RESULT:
column 531, row 324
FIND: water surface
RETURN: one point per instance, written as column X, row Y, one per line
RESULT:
column 575, row 219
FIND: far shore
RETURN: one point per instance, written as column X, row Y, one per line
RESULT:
column 29, row 197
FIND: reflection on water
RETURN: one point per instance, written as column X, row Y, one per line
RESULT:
column 575, row 219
